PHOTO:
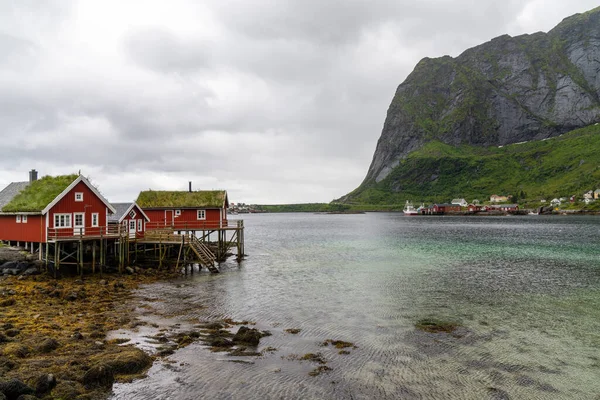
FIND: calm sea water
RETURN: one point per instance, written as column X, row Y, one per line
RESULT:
column 525, row 289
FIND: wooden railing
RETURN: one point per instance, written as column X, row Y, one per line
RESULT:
column 194, row 225
column 85, row 232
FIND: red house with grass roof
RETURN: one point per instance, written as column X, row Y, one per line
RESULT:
column 52, row 208
column 181, row 210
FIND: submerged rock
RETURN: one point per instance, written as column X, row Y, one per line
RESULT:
column 247, row 336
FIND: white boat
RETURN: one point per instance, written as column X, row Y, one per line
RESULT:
column 409, row 209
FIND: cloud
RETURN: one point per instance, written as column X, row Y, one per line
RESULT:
column 276, row 101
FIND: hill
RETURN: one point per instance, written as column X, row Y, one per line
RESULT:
column 437, row 172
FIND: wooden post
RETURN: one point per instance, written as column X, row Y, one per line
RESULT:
column 93, row 256
column 47, row 247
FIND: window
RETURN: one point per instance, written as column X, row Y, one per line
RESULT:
column 78, row 219
column 18, row 219
column 132, row 225
column 177, row 212
column 62, row 220
column 24, row 219
column 201, row 214
column 94, row 219
column 132, row 214
column 78, row 196
column 140, row 225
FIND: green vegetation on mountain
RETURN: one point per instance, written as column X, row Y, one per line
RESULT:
column 557, row 167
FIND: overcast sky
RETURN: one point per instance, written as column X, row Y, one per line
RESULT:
column 276, row 101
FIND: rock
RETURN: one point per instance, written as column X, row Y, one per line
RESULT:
column 72, row 296
column 129, row 270
column 44, row 384
column 7, row 302
column 100, row 375
column 15, row 350
column 247, row 336
column 77, row 336
column 14, row 388
column 30, row 271
column 103, row 282
column 27, row 397
column 48, row 345
column 12, row 332
column 130, row 361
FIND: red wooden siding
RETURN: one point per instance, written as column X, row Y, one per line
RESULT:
column 139, row 217
column 187, row 217
column 67, row 205
column 31, row 231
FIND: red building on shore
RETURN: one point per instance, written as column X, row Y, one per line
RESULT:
column 52, row 208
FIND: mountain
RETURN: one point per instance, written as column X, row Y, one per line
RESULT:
column 506, row 91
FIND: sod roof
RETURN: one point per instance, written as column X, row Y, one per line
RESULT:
column 38, row 194
column 182, row 199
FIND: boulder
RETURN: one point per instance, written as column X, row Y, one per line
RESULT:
column 14, row 388
column 100, row 375
column 47, row 345
column 44, row 384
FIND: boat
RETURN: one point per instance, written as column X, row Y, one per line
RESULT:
column 409, row 209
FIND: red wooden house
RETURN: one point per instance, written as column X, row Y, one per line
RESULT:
column 52, row 208
column 130, row 217
column 181, row 210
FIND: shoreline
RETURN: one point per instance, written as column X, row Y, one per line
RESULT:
column 53, row 335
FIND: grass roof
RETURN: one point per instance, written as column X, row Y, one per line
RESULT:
column 38, row 194
column 181, row 199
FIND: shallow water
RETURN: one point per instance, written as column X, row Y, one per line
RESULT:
column 526, row 291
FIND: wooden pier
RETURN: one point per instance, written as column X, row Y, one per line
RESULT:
column 191, row 244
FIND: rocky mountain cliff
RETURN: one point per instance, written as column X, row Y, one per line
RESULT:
column 508, row 90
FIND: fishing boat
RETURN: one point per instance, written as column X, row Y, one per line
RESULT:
column 409, row 209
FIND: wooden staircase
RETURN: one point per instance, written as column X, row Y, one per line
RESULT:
column 206, row 258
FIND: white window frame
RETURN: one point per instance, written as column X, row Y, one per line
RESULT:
column 140, row 225
column 95, row 220
column 18, row 219
column 201, row 214
column 129, row 225
column 78, row 196
column 177, row 213
column 24, row 219
column 66, row 221
column 132, row 214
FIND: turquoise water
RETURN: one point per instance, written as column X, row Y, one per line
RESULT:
column 525, row 290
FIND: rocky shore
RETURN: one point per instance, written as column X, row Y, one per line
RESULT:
column 53, row 332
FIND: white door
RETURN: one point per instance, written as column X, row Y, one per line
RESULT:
column 132, row 226
column 79, row 224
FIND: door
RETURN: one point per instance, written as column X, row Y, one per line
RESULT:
column 169, row 217
column 132, row 226
column 79, row 224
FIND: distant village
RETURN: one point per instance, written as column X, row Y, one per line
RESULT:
column 505, row 204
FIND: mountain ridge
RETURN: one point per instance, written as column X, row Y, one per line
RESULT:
column 507, row 90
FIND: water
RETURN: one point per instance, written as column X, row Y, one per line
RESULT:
column 526, row 291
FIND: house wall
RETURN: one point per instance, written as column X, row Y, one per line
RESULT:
column 138, row 217
column 31, row 231
column 90, row 204
column 168, row 216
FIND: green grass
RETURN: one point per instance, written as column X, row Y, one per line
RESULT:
column 559, row 167
column 181, row 199
column 39, row 193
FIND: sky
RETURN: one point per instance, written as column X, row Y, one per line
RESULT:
column 276, row 101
